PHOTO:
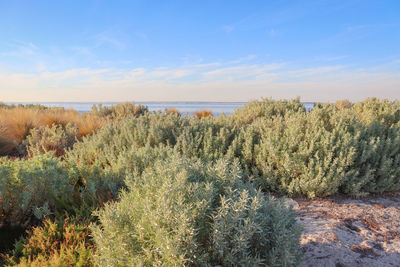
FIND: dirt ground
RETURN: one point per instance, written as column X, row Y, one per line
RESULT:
column 350, row 232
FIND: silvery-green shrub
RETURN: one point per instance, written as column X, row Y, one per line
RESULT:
column 55, row 139
column 32, row 187
column 182, row 212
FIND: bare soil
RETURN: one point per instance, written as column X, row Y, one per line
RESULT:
column 342, row 231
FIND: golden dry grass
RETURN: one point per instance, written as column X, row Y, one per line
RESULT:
column 16, row 123
column 172, row 111
column 203, row 113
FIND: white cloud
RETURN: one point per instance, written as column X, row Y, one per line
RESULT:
column 329, row 58
column 21, row 49
column 106, row 38
column 216, row 81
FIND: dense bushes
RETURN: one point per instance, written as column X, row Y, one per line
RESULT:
column 192, row 186
column 118, row 111
column 344, row 148
column 31, row 189
column 304, row 154
column 55, row 139
column 184, row 212
column 17, row 122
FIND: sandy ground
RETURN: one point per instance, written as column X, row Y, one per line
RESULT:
column 350, row 232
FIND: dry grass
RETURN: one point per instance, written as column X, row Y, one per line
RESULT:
column 16, row 123
column 88, row 124
column 203, row 113
column 172, row 111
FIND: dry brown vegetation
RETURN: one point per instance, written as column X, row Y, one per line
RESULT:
column 16, row 124
column 203, row 113
column 172, row 111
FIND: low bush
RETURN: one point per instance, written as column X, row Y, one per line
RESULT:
column 383, row 111
column 54, row 244
column 203, row 114
column 184, row 212
column 106, row 146
column 304, row 153
column 376, row 164
column 172, row 110
column 17, row 123
column 56, row 139
column 119, row 111
column 31, row 189
column 282, row 148
column 266, row 108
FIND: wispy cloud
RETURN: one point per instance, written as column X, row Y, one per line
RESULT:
column 106, row 38
column 242, row 59
column 329, row 58
column 214, row 81
column 20, row 49
column 82, row 50
column 307, row 72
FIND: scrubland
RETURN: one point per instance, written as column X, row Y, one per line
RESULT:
column 122, row 186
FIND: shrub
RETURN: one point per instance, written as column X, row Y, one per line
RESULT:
column 372, row 109
column 288, row 150
column 172, row 110
column 56, row 139
column 16, row 124
column 343, row 104
column 54, row 244
column 173, row 213
column 376, row 166
column 282, row 148
column 105, row 147
column 267, row 108
column 32, row 189
column 203, row 113
column 119, row 111
column 251, row 230
column 86, row 123
column 304, row 153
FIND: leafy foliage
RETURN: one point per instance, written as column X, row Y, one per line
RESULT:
column 31, row 189
column 183, row 212
column 54, row 244
column 193, row 188
column 118, row 111
column 55, row 138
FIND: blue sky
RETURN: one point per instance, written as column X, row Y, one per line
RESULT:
column 199, row 50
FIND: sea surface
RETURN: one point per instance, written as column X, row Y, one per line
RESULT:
column 184, row 107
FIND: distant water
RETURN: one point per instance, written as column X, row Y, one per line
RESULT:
column 184, row 107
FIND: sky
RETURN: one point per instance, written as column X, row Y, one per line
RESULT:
column 198, row 50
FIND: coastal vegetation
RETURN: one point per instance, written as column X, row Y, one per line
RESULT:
column 124, row 186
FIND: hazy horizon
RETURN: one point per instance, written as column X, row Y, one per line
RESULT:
column 100, row 51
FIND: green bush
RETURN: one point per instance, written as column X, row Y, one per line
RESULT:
column 372, row 109
column 56, row 139
column 267, row 108
column 105, row 147
column 119, row 111
column 304, row 153
column 32, row 188
column 281, row 147
column 376, row 165
column 184, row 212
